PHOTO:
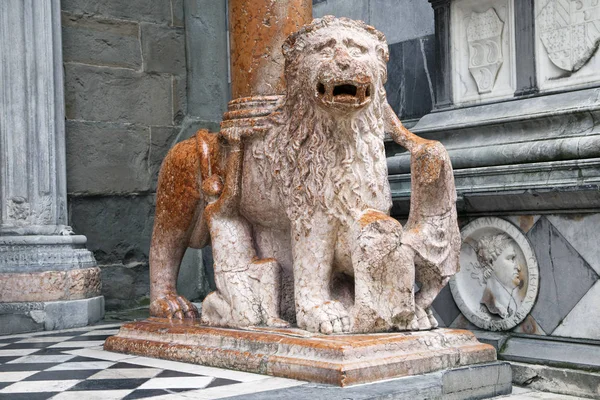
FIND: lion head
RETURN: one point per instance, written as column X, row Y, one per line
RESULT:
column 326, row 150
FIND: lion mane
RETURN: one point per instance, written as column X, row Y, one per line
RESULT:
column 320, row 161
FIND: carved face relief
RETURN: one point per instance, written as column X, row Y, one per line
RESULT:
column 570, row 31
column 497, row 284
column 484, row 35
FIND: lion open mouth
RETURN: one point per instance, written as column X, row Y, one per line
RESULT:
column 353, row 94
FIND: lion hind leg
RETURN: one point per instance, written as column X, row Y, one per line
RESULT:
column 431, row 284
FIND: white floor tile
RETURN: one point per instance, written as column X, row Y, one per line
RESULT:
column 196, row 369
column 15, row 376
column 100, row 354
column 16, row 352
column 81, row 365
column 177, row 383
column 101, row 332
column 126, row 373
column 74, row 343
column 42, row 359
column 46, row 339
column 93, row 395
column 39, row 386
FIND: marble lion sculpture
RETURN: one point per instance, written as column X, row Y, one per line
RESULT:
column 298, row 215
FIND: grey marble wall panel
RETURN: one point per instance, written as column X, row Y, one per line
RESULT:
column 565, row 277
column 355, row 9
column 207, row 56
column 402, row 20
column 411, row 75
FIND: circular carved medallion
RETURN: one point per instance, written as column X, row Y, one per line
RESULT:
column 497, row 284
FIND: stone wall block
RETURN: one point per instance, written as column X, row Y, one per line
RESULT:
column 118, row 228
column 163, row 49
column 158, row 11
column 118, row 95
column 161, row 139
column 107, row 157
column 101, row 41
column 125, row 287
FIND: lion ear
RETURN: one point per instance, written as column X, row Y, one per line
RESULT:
column 383, row 53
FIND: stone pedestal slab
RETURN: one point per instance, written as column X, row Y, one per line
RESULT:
column 19, row 317
column 340, row 360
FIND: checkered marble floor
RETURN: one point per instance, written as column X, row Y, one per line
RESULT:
column 71, row 364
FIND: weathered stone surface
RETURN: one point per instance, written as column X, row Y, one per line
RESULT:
column 105, row 157
column 571, row 382
column 551, row 352
column 580, row 230
column 402, row 20
column 292, row 353
column 72, row 284
column 163, row 49
column 101, row 41
column 158, row 11
column 477, row 381
column 51, row 315
column 108, row 94
column 567, row 275
column 180, row 96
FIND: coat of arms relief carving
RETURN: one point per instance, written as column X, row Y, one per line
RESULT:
column 484, row 36
column 570, row 32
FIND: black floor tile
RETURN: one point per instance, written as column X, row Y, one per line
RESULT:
column 59, row 334
column 87, row 338
column 27, row 345
column 108, row 384
column 26, row 367
column 62, row 375
column 27, row 396
column 127, row 365
column 4, row 360
column 175, row 374
column 145, row 393
column 5, row 384
column 10, row 339
column 54, row 351
column 221, row 382
column 85, row 359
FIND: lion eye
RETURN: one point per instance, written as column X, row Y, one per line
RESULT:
column 355, row 51
column 327, row 52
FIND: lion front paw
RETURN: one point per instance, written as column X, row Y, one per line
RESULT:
column 329, row 317
column 173, row 306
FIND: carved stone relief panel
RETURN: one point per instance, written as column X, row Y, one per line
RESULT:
column 482, row 42
column 567, row 40
column 498, row 282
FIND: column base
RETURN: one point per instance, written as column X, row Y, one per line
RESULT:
column 50, row 315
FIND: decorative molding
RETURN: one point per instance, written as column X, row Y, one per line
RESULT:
column 498, row 282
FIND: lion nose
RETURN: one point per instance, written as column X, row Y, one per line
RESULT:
column 342, row 59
